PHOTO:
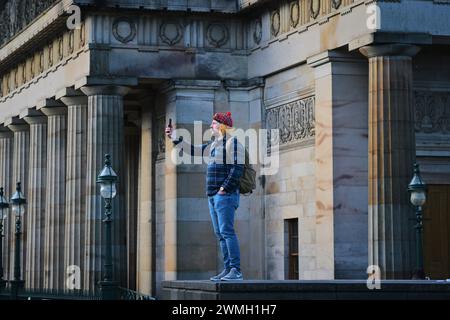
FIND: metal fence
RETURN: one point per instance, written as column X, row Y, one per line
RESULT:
column 51, row 294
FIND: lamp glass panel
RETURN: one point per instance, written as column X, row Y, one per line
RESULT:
column 108, row 190
column 418, row 198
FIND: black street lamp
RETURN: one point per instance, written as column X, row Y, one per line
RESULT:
column 18, row 202
column 107, row 180
column 417, row 189
column 4, row 205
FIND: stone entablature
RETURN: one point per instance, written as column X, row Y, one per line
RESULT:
column 290, row 16
column 50, row 56
column 148, row 33
column 226, row 6
column 168, row 32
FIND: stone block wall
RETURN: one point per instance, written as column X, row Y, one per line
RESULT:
column 290, row 194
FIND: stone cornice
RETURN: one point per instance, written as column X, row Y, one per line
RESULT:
column 220, row 6
column 50, row 23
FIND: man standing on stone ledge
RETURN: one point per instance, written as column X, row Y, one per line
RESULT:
column 225, row 168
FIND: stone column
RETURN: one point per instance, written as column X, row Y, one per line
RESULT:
column 104, row 135
column 75, row 182
column 20, row 174
column 131, row 153
column 145, row 245
column 391, row 157
column 54, row 271
column 37, row 186
column 341, row 166
column 6, row 170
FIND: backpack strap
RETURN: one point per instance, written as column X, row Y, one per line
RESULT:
column 235, row 150
column 224, row 141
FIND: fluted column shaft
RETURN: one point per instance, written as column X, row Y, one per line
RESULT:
column 6, row 153
column 75, row 182
column 104, row 135
column 131, row 153
column 36, row 201
column 54, row 269
column 20, row 174
column 391, row 157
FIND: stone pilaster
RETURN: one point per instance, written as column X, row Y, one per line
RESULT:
column 104, row 135
column 187, row 224
column 54, row 269
column 6, row 154
column 75, row 182
column 145, row 245
column 391, row 157
column 20, row 161
column 37, row 186
column 131, row 162
column 341, row 165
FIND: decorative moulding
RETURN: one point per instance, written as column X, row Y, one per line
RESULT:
column 124, row 29
column 170, row 32
column 217, row 34
column 275, row 23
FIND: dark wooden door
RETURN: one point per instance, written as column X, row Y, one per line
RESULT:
column 436, row 236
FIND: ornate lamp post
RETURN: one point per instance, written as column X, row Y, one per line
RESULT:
column 18, row 202
column 4, row 205
column 107, row 180
column 417, row 189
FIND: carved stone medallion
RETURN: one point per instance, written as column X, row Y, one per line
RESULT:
column 314, row 8
column 71, row 42
column 124, row 29
column 60, row 48
column 41, row 61
column 50, row 54
column 257, row 31
column 275, row 23
column 82, row 38
column 170, row 33
column 217, row 34
column 295, row 14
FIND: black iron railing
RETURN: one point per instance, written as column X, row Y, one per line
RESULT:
column 51, row 294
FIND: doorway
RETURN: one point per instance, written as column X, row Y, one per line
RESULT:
column 436, row 236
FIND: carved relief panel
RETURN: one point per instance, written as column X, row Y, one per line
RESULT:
column 294, row 120
column 432, row 112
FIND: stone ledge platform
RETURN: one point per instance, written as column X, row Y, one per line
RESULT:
column 305, row 290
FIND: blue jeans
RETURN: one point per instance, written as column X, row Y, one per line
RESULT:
column 222, row 209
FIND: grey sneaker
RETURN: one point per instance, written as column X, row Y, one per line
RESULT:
column 220, row 275
column 233, row 275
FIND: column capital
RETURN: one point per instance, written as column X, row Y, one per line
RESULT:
column 331, row 56
column 15, row 124
column 192, row 84
column 35, row 119
column 106, row 90
column 54, row 111
column 32, row 116
column 394, row 49
column 5, row 132
column 75, row 100
column 71, row 97
column 49, row 103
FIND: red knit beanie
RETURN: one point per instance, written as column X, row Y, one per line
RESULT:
column 224, row 118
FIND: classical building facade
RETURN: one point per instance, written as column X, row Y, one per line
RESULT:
column 359, row 91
